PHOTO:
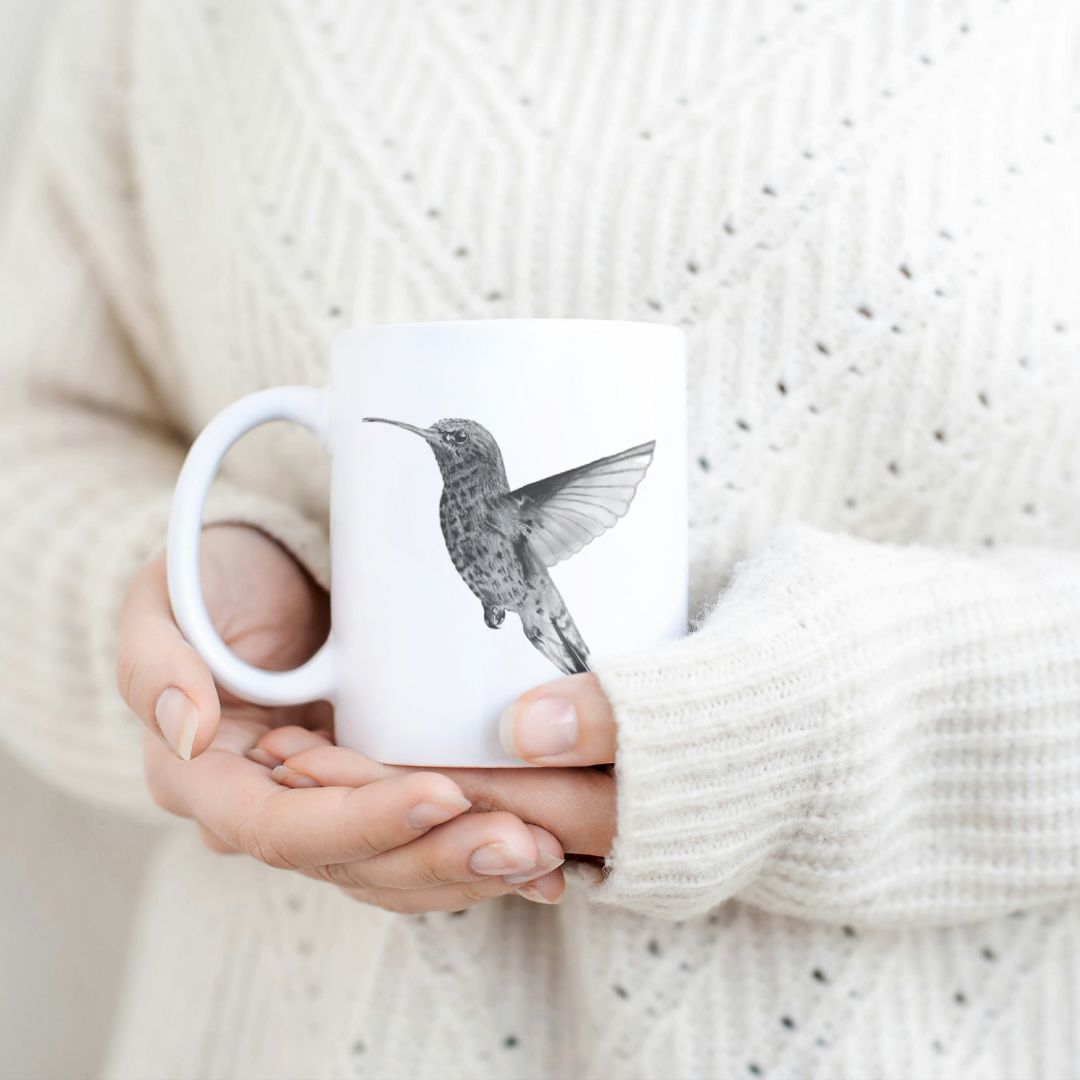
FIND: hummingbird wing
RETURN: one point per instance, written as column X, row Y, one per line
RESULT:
column 562, row 513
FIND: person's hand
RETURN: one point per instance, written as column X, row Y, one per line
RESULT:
column 266, row 608
column 405, row 842
column 563, row 725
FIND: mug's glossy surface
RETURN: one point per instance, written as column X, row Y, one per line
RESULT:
column 508, row 503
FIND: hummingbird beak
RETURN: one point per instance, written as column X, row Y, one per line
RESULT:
column 425, row 433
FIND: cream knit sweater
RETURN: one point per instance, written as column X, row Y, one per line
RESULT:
column 849, row 804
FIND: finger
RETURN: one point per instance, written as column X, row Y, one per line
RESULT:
column 548, row 889
column 550, row 857
column 574, row 804
column 303, row 829
column 176, row 785
column 440, row 898
column 262, row 757
column 239, row 802
column 470, row 848
column 159, row 674
column 284, row 742
column 565, row 722
column 334, row 766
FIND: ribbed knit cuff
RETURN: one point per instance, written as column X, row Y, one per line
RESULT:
column 720, row 738
column 857, row 732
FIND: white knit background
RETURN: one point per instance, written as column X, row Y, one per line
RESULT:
column 69, row 873
column 858, row 211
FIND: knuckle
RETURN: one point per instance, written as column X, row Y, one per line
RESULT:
column 352, row 834
column 432, row 873
column 477, row 891
column 485, row 792
column 340, row 874
column 266, row 851
column 258, row 841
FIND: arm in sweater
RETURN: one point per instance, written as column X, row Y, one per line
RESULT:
column 857, row 733
column 89, row 454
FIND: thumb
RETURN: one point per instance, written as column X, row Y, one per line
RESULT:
column 568, row 721
column 160, row 676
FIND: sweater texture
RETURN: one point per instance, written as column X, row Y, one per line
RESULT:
column 848, row 837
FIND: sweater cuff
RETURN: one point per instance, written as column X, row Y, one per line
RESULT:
column 726, row 737
column 304, row 539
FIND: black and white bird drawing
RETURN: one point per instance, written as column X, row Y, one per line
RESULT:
column 502, row 542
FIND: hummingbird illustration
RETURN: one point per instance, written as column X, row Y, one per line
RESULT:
column 502, row 542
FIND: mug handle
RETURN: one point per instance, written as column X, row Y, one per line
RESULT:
column 312, row 681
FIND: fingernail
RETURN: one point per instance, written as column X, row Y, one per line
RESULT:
column 263, row 757
column 427, row 815
column 497, row 860
column 533, row 893
column 177, row 720
column 544, row 865
column 540, row 728
column 292, row 778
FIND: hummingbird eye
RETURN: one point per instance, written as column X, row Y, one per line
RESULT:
column 456, row 437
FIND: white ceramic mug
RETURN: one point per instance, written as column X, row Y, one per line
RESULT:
column 519, row 509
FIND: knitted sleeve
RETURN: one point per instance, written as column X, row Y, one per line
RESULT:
column 857, row 733
column 88, row 454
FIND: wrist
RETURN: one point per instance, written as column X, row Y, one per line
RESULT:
column 238, row 558
column 238, row 513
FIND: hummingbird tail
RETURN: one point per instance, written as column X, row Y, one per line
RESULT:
column 578, row 652
column 554, row 634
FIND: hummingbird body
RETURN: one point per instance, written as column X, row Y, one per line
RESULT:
column 501, row 542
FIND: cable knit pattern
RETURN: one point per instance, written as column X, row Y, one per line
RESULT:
column 848, row 812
